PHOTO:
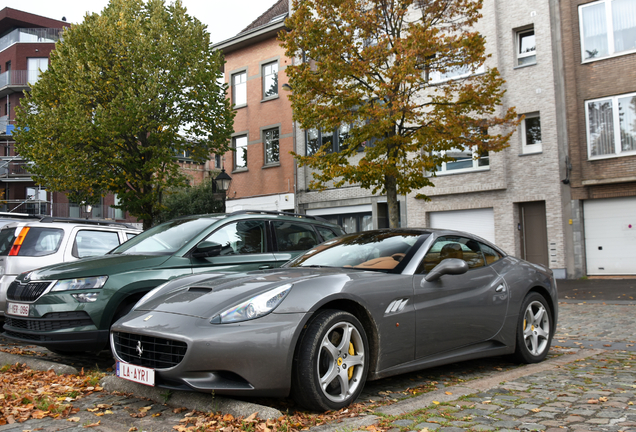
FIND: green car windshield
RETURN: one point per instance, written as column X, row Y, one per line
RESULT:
column 165, row 239
column 378, row 251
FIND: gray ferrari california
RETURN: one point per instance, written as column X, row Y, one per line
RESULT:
column 358, row 307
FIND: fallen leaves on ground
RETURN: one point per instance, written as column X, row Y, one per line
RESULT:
column 27, row 393
column 21, row 351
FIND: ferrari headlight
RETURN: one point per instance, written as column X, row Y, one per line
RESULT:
column 80, row 283
column 255, row 307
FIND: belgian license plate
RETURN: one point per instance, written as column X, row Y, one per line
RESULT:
column 138, row 374
column 19, row 309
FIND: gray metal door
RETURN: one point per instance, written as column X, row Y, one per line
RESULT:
column 534, row 233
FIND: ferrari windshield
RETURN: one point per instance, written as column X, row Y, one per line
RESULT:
column 165, row 239
column 375, row 250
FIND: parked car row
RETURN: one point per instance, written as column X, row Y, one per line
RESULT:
column 268, row 304
column 71, row 306
column 37, row 241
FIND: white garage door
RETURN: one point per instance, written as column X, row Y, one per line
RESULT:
column 477, row 221
column 610, row 236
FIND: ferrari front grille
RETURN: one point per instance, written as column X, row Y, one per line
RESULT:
column 149, row 351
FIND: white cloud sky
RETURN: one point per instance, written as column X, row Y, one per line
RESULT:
column 224, row 18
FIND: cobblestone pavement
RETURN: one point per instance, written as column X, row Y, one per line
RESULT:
column 594, row 392
column 591, row 394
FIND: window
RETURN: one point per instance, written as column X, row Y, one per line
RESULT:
column 217, row 161
column 41, row 242
column 465, row 160
column 336, row 139
column 243, row 237
column 326, row 233
column 608, row 27
column 34, row 67
column 117, row 212
column 351, row 222
column 270, row 80
column 531, row 133
column 526, row 48
column 93, row 243
column 240, row 152
column 611, row 126
column 239, row 89
column 292, row 236
column 454, row 247
column 456, row 72
column 272, row 149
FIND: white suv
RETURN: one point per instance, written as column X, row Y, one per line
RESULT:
column 30, row 244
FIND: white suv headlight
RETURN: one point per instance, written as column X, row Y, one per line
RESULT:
column 253, row 308
column 80, row 283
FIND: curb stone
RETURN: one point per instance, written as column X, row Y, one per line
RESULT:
column 37, row 364
column 192, row 400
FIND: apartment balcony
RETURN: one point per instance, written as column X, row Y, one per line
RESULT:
column 14, row 169
column 17, row 81
column 33, row 35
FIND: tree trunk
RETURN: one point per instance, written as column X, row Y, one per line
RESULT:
column 392, row 201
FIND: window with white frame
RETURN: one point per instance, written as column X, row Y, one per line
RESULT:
column 239, row 89
column 611, row 126
column 531, row 133
column 526, row 47
column 272, row 148
column 35, row 66
column 466, row 160
column 270, row 80
column 240, row 152
column 608, row 27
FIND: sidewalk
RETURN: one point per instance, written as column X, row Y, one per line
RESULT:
column 615, row 290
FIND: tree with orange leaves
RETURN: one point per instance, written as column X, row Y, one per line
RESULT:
column 405, row 78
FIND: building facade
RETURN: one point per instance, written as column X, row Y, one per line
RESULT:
column 599, row 56
column 516, row 197
column 260, row 163
column 26, row 41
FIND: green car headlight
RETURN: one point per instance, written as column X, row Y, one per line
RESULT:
column 80, row 283
column 253, row 308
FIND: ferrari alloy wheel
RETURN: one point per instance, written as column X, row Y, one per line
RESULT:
column 332, row 362
column 535, row 330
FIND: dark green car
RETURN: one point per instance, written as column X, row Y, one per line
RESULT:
column 70, row 307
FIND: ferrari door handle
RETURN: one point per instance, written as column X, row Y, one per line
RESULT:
column 265, row 267
column 500, row 288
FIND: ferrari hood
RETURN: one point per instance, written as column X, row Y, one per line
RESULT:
column 208, row 297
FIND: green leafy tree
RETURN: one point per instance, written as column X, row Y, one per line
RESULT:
column 126, row 91
column 383, row 68
column 200, row 199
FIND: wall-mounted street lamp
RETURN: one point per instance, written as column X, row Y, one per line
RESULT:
column 223, row 181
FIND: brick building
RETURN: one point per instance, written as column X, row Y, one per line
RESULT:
column 599, row 56
column 26, row 41
column 260, row 165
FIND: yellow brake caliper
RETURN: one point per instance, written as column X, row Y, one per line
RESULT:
column 351, row 352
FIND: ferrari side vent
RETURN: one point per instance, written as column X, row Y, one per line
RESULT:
column 396, row 306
